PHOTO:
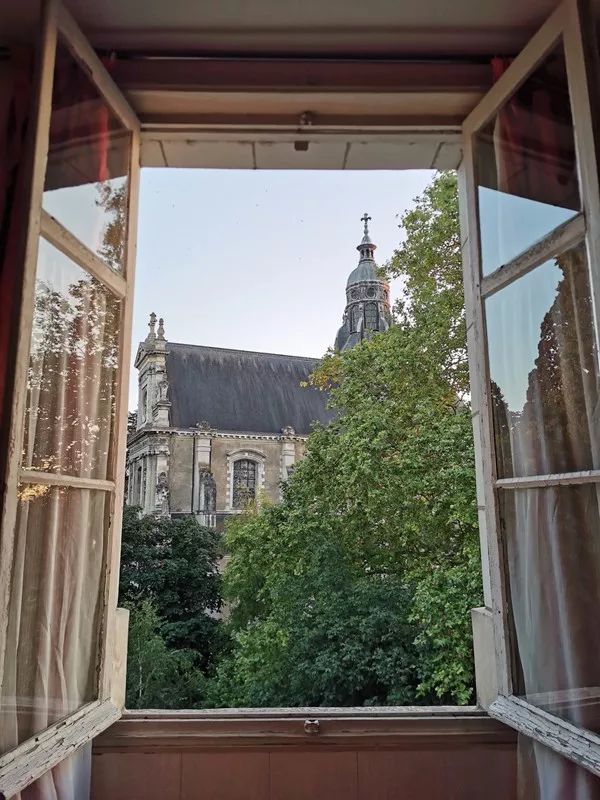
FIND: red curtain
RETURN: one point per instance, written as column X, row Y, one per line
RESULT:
column 15, row 82
column 533, row 138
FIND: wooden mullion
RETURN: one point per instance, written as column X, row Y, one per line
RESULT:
column 63, row 240
column 582, row 64
column 111, row 589
column 58, row 479
column 555, row 479
column 87, row 58
column 553, row 244
column 41, row 752
column 481, row 394
column 577, row 744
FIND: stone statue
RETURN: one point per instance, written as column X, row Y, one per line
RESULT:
column 208, row 492
column 162, row 495
column 163, row 388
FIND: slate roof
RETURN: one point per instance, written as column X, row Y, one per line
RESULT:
column 243, row 391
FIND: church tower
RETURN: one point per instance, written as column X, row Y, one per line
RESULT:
column 367, row 298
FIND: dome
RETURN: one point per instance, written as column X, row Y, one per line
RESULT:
column 365, row 271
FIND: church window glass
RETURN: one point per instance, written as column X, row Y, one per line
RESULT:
column 244, row 482
column 371, row 316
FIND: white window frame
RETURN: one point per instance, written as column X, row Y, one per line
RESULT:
column 569, row 25
column 35, row 756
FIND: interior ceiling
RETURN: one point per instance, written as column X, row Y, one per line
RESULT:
column 392, row 28
column 406, row 75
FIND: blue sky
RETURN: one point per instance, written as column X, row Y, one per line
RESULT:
column 258, row 260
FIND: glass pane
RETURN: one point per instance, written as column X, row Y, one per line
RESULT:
column 54, row 608
column 544, row 370
column 525, row 163
column 72, row 370
column 86, row 186
column 244, row 482
column 553, row 547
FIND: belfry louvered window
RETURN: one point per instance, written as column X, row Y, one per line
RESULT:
column 244, row 482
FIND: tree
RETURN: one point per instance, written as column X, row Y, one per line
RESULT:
column 171, row 583
column 157, row 676
column 357, row 588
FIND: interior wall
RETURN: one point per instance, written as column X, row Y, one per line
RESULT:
column 434, row 773
column 433, row 756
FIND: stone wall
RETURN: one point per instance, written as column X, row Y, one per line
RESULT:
column 180, row 474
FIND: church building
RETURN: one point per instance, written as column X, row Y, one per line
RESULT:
column 218, row 428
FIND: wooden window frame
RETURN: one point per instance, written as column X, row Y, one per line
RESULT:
column 570, row 25
column 33, row 757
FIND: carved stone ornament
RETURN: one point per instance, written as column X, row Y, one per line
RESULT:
column 162, row 495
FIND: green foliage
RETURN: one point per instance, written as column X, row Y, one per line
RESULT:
column 171, row 584
column 357, row 588
column 157, row 676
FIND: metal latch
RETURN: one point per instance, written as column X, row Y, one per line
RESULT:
column 312, row 727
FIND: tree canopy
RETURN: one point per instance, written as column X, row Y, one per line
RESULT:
column 171, row 583
column 356, row 589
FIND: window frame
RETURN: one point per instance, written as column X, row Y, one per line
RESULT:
column 33, row 757
column 244, row 454
column 569, row 25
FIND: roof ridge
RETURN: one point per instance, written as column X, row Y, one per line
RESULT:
column 243, row 352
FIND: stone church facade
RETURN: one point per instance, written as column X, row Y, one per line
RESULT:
column 219, row 428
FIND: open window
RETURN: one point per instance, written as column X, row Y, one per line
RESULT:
column 61, row 517
column 531, row 221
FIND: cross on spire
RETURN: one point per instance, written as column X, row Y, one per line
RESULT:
column 366, row 219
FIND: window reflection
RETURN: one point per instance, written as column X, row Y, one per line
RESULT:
column 552, row 537
column 526, row 167
column 544, row 371
column 86, row 187
column 72, row 370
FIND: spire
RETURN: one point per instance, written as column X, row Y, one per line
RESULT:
column 367, row 297
column 161, row 329
column 366, row 248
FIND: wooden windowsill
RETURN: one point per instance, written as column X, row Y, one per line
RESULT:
column 269, row 728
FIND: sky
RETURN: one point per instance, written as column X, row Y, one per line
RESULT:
column 258, row 259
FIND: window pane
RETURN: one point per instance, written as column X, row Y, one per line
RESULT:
column 55, row 608
column 72, row 370
column 371, row 322
column 526, row 169
column 553, row 546
column 86, row 186
column 544, row 372
column 244, row 482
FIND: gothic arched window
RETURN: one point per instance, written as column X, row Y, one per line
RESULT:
column 244, row 482
column 371, row 317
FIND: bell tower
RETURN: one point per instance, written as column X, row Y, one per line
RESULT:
column 367, row 297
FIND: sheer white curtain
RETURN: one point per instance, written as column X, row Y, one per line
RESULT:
column 56, row 592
